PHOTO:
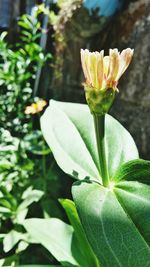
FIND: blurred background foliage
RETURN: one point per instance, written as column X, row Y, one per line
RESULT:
column 39, row 59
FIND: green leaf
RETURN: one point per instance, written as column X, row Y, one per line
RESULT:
column 116, row 221
column 30, row 196
column 56, row 236
column 11, row 239
column 3, row 35
column 88, row 255
column 5, row 164
column 20, row 215
column 69, row 131
column 22, row 246
column 134, row 170
column 5, row 211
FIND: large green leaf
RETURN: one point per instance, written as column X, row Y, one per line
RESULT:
column 117, row 219
column 69, row 131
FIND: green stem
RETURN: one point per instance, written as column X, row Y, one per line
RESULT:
column 99, row 122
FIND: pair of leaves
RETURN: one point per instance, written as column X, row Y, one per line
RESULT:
column 68, row 244
column 115, row 219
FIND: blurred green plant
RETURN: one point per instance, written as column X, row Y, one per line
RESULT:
column 25, row 180
column 24, row 177
column 18, row 66
column 16, row 189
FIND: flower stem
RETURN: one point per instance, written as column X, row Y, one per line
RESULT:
column 99, row 122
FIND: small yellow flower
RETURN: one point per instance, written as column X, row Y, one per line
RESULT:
column 35, row 107
column 102, row 74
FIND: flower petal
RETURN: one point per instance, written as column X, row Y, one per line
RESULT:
column 125, row 59
column 113, row 65
column 84, row 61
column 106, row 66
column 93, row 70
column 100, row 68
column 82, row 52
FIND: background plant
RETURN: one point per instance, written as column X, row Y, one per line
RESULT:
column 18, row 66
column 24, row 155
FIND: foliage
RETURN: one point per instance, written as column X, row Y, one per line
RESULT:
column 23, row 182
column 18, row 66
column 16, row 188
column 15, row 166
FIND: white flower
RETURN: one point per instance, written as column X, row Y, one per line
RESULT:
column 102, row 72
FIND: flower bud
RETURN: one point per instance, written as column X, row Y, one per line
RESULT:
column 102, row 74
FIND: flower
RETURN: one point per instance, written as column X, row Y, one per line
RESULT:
column 102, row 74
column 35, row 107
column 105, row 71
